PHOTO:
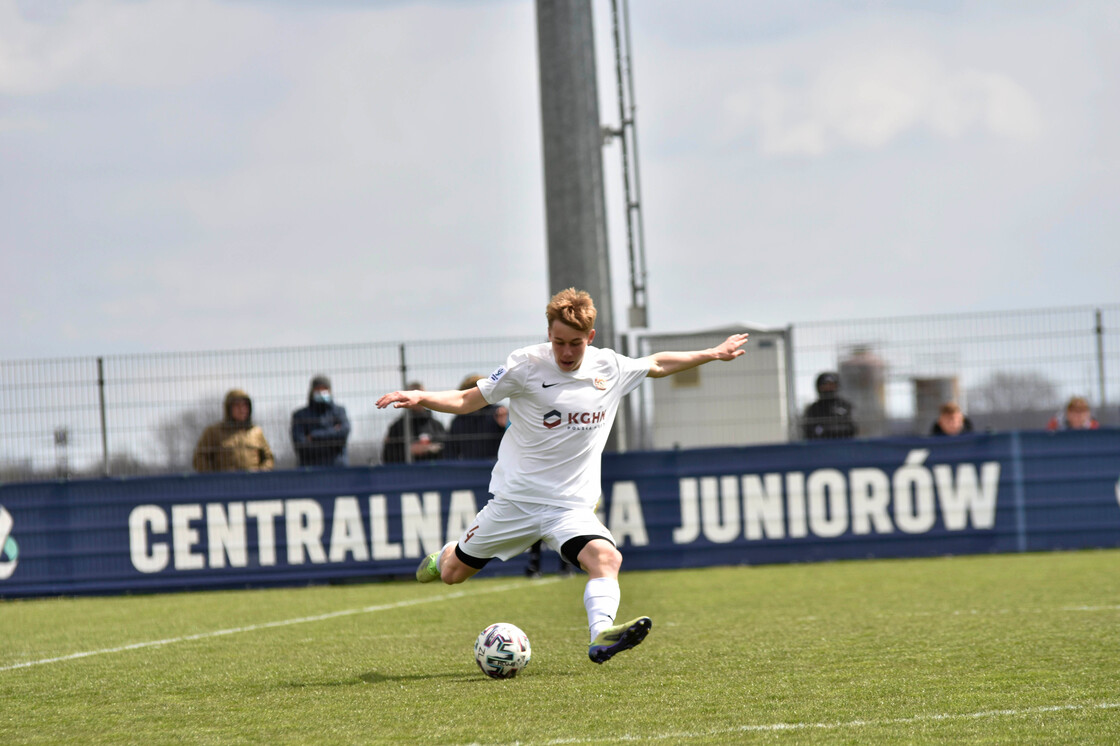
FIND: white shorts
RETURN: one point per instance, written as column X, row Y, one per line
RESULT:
column 505, row 529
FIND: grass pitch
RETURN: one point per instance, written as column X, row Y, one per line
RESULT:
column 996, row 649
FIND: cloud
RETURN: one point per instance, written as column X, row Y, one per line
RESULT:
column 194, row 174
column 870, row 97
column 221, row 180
column 136, row 45
column 888, row 162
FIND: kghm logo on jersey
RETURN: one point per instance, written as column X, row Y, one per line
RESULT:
column 9, row 550
column 574, row 420
column 586, row 420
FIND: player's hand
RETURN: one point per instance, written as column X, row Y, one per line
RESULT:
column 399, row 399
column 731, row 347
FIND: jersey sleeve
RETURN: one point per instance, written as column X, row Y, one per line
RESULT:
column 508, row 380
column 631, row 371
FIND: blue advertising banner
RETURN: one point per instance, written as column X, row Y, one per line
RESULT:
column 802, row 502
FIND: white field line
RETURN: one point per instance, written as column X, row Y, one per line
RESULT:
column 985, row 612
column 993, row 612
column 269, row 625
column 681, row 736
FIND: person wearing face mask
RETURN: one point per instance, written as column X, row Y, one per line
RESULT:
column 320, row 430
column 830, row 416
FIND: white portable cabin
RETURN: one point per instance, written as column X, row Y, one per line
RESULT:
column 745, row 401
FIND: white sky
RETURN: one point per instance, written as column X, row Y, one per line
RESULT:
column 207, row 174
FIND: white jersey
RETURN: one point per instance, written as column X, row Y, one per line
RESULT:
column 559, row 422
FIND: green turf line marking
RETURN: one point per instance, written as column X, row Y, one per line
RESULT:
column 279, row 623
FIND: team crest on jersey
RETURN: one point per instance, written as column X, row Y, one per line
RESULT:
column 601, row 383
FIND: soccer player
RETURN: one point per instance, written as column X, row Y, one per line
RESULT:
column 563, row 396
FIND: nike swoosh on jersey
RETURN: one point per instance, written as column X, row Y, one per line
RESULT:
column 550, row 385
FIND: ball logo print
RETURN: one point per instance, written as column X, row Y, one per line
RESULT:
column 9, row 549
column 502, row 650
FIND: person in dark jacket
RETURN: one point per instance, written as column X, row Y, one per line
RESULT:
column 426, row 432
column 830, row 416
column 951, row 421
column 477, row 435
column 320, row 430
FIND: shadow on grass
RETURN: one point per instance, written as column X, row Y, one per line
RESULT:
column 373, row 677
column 377, row 678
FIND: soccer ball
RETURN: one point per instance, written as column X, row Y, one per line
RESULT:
column 502, row 650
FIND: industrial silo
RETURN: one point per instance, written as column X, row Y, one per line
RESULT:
column 863, row 382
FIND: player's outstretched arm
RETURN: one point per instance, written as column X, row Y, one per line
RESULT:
column 667, row 363
column 451, row 402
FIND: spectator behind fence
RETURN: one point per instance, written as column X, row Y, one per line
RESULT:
column 477, row 435
column 950, row 421
column 830, row 416
column 1077, row 416
column 428, row 434
column 235, row 443
column 320, row 430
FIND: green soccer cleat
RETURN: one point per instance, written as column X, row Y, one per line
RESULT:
column 613, row 640
column 428, row 570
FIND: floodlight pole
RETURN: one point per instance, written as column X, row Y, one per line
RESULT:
column 575, row 203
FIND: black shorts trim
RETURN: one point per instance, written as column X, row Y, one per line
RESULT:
column 470, row 561
column 572, row 547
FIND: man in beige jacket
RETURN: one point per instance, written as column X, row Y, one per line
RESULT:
column 235, row 443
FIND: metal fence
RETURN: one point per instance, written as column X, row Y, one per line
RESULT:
column 143, row 414
column 1007, row 370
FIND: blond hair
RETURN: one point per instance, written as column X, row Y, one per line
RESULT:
column 1078, row 404
column 573, row 308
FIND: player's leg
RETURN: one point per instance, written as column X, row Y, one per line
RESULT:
column 502, row 529
column 602, row 595
column 457, row 566
column 598, row 556
column 602, row 560
column 588, row 544
column 447, row 565
column 429, row 567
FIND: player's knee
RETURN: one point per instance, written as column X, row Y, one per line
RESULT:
column 454, row 572
column 452, row 575
column 601, row 558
